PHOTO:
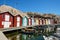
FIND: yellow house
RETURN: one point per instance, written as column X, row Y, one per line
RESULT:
column 46, row 21
column 36, row 21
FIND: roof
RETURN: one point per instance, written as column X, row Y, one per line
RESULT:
column 13, row 11
column 35, row 14
column 25, row 14
column 48, row 15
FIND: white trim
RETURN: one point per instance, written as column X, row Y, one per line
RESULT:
column 40, row 22
column 6, row 24
column 49, row 21
column 33, row 23
column 18, row 18
column 7, row 17
column 18, row 24
column 37, row 22
column 29, row 22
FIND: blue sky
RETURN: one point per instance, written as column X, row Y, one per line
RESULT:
column 42, row 6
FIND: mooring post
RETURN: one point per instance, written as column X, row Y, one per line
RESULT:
column 2, row 36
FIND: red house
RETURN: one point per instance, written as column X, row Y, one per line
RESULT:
column 17, row 21
column 6, row 20
column 43, row 21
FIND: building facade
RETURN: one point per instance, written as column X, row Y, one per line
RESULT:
column 6, row 20
column 17, row 21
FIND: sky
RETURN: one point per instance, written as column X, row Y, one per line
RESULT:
column 41, row 6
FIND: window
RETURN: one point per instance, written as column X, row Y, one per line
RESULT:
column 7, row 17
column 18, row 18
column 18, row 24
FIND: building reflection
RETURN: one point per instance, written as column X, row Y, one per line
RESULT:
column 20, row 37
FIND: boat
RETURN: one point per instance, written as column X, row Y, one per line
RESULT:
column 28, row 31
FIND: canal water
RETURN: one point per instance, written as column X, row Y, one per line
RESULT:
column 15, row 35
column 21, row 36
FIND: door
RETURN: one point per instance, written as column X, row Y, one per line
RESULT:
column 29, row 21
column 18, row 24
column 33, row 23
column 49, row 21
column 24, row 21
column 18, row 21
column 37, row 22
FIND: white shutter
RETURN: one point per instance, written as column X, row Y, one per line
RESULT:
column 18, row 18
column 29, row 22
column 49, row 21
column 40, row 21
column 33, row 23
column 6, row 17
column 18, row 24
column 6, row 24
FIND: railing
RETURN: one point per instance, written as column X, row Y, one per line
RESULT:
column 15, row 28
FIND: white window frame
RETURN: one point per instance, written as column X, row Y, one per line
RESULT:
column 7, row 17
column 18, row 24
column 18, row 18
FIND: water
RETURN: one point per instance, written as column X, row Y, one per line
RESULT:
column 21, row 36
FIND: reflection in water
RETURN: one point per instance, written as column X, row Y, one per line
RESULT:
column 20, row 36
column 25, row 37
column 15, row 35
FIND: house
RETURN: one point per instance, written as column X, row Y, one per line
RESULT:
column 6, row 20
column 24, row 21
column 37, row 21
column 28, row 19
column 12, row 18
column 49, row 19
column 35, row 18
column 17, row 21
